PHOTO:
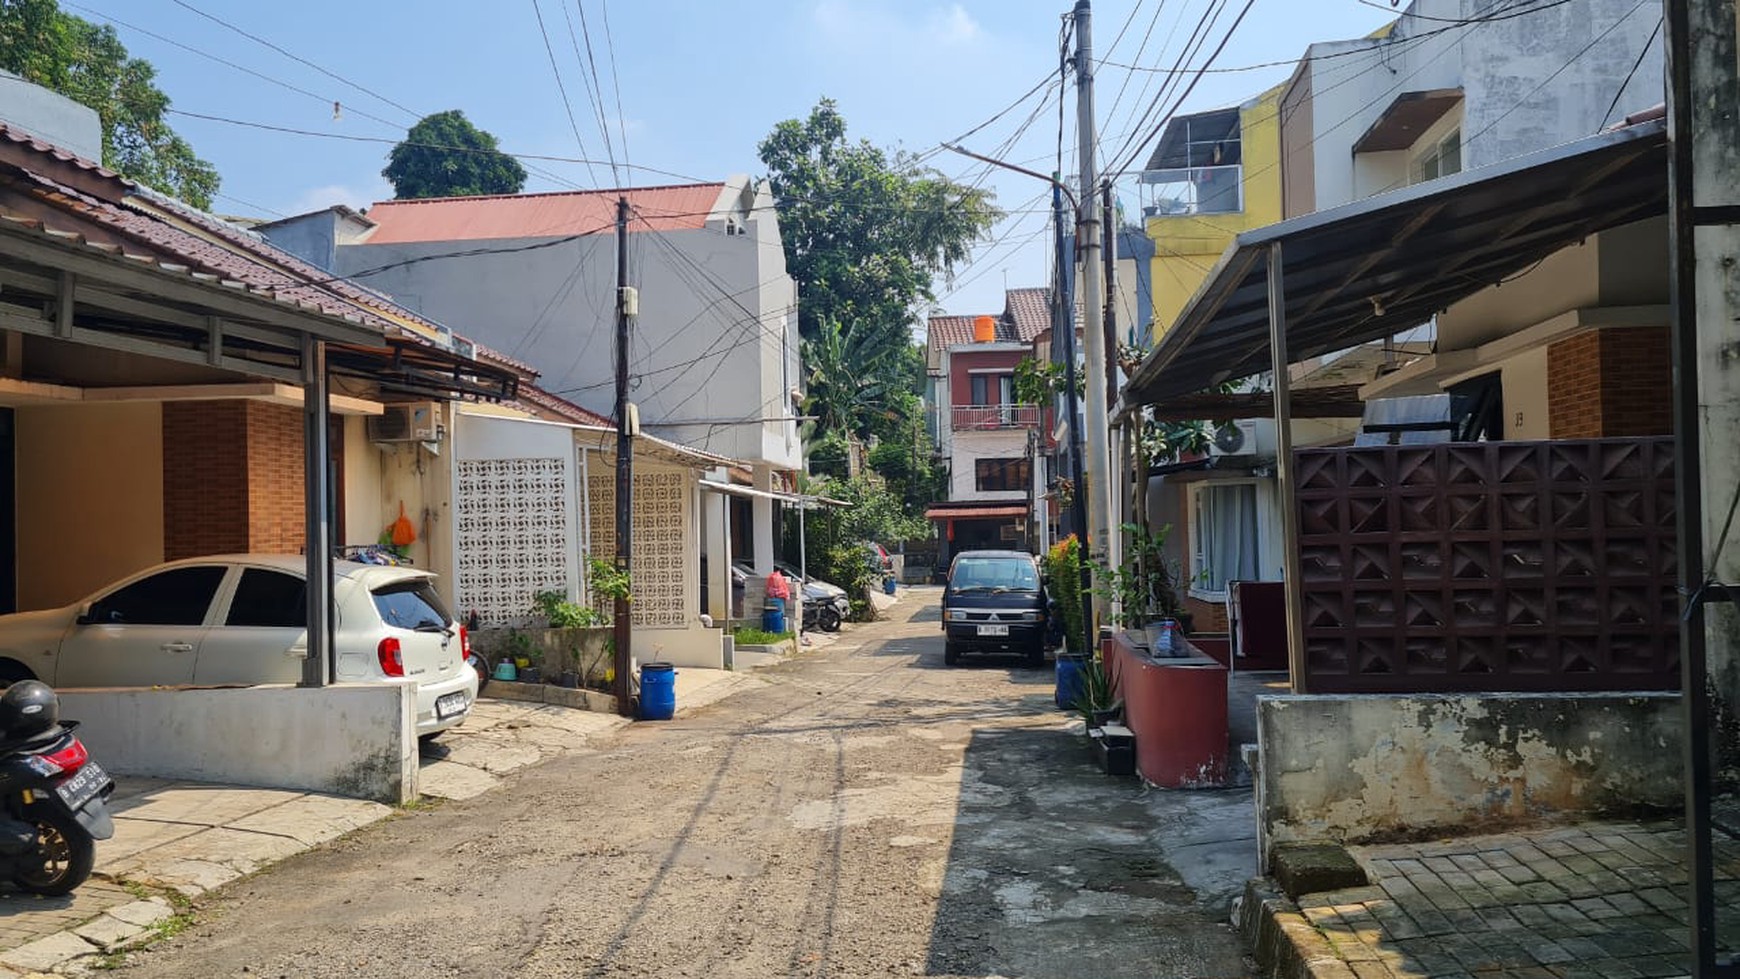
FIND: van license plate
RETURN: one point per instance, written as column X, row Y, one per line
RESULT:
column 993, row 630
column 445, row 707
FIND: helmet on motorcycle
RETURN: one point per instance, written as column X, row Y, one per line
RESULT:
column 27, row 708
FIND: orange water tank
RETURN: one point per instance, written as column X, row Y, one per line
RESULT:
column 984, row 329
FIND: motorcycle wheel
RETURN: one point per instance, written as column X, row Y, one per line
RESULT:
column 828, row 617
column 67, row 853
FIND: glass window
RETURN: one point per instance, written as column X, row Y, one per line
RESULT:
column 981, row 389
column 269, row 598
column 180, row 596
column 1006, row 574
column 411, row 604
column 1224, row 536
column 1000, row 475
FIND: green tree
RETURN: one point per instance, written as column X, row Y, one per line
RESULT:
column 87, row 63
column 865, row 233
column 444, row 155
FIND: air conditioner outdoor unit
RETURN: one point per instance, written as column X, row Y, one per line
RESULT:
column 418, row 421
column 1244, row 437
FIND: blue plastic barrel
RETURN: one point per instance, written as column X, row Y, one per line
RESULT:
column 888, row 585
column 1070, row 681
column 773, row 617
column 658, row 691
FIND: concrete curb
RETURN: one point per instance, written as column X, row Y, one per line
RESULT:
column 1284, row 943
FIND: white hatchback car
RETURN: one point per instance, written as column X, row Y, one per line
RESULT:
column 242, row 619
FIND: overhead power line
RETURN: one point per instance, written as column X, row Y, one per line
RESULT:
column 562, row 89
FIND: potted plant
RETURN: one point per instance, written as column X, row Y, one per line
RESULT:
column 1145, row 588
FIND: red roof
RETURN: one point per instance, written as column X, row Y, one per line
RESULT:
column 1026, row 314
column 584, row 212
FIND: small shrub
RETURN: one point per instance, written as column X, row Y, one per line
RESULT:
column 563, row 614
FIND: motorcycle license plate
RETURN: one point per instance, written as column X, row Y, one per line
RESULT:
column 993, row 630
column 82, row 786
column 453, row 703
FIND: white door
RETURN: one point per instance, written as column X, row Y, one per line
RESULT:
column 145, row 633
column 261, row 635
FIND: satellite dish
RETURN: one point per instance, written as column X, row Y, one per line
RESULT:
column 1229, row 438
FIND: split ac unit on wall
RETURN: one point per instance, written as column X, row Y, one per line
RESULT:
column 1244, row 437
column 419, row 421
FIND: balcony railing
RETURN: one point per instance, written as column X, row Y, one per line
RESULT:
column 985, row 418
column 1193, row 190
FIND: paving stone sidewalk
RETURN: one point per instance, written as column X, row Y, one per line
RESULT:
column 1596, row 900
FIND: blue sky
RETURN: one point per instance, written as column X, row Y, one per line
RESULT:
column 700, row 84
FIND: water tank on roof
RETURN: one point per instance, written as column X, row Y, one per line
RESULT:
column 985, row 329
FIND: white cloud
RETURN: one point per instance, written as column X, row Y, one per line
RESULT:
column 954, row 25
column 868, row 26
column 317, row 198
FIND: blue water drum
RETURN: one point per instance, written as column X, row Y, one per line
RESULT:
column 1069, row 679
column 773, row 617
column 658, row 691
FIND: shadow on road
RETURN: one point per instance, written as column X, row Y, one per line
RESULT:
column 1057, row 870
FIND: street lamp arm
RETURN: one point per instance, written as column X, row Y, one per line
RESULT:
column 1053, row 181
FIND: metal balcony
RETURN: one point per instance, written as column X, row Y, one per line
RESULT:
column 1193, row 190
column 988, row 418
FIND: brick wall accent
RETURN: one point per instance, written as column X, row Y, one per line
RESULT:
column 1614, row 383
column 205, row 478
column 1206, row 616
column 275, row 510
column 232, row 478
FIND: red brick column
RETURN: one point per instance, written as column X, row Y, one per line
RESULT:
column 232, row 478
column 1614, row 383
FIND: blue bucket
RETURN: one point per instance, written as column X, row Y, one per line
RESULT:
column 1070, row 682
column 888, row 585
column 658, row 691
column 773, row 618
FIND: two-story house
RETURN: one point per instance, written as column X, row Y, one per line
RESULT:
column 993, row 446
column 713, row 349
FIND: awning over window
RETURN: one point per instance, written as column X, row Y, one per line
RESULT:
column 1378, row 267
column 975, row 513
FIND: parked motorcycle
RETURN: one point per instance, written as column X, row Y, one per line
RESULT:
column 52, row 795
column 824, row 613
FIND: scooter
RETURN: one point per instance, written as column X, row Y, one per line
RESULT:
column 823, row 613
column 52, row 795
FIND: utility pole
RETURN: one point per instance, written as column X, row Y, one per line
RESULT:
column 624, row 462
column 1087, row 239
column 1063, row 325
column 1704, row 259
column 1118, row 487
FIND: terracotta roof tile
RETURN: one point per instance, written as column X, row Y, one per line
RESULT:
column 550, row 215
column 1026, row 314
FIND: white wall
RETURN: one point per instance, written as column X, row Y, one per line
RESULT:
column 967, row 447
column 715, row 341
column 355, row 740
column 76, row 533
column 1511, row 106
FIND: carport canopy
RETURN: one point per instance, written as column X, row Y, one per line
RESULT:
column 1378, row 267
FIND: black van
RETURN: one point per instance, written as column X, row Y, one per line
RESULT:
column 994, row 602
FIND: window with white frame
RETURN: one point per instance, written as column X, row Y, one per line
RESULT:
column 1441, row 159
column 1225, row 538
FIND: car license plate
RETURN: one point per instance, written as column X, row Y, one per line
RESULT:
column 453, row 703
column 993, row 630
column 82, row 786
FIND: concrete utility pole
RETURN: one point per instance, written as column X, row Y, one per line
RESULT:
column 624, row 464
column 1087, row 237
column 1704, row 235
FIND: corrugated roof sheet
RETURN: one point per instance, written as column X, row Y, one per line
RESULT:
column 553, row 215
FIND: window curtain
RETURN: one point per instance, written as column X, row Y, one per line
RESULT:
column 1231, row 528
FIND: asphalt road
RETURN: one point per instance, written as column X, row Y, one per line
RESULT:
column 866, row 812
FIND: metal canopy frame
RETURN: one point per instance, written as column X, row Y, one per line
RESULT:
column 1374, row 268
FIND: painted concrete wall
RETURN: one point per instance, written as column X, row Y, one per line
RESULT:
column 1527, row 83
column 355, row 740
column 1350, row 768
column 968, row 447
column 1187, row 246
column 50, row 117
column 1525, row 395
column 716, row 338
column 75, row 533
column 965, row 360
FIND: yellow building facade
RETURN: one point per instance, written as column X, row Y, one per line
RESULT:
column 1212, row 175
